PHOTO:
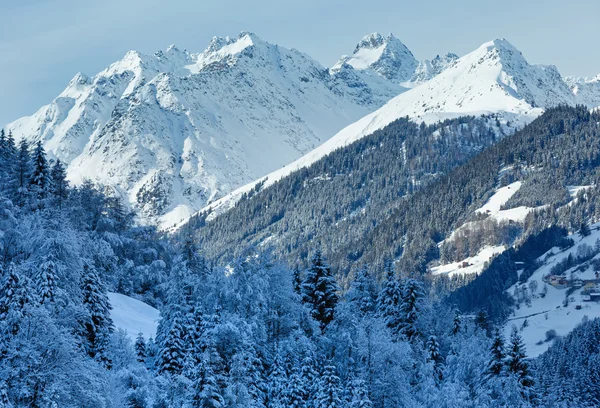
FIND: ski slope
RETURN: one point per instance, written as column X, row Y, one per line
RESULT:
column 133, row 316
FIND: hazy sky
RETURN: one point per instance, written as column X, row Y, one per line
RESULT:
column 43, row 43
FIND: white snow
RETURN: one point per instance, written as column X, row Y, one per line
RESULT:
column 475, row 263
column 495, row 78
column 364, row 57
column 500, row 197
column 173, row 131
column 133, row 316
column 548, row 312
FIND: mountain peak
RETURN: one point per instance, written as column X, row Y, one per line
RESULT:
column 386, row 56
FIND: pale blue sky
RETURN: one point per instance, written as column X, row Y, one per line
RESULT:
column 43, row 43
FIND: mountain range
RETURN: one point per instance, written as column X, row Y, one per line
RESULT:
column 176, row 132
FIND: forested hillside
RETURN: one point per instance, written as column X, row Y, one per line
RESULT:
column 348, row 193
column 255, row 332
column 387, row 195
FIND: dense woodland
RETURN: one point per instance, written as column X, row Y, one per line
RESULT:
column 255, row 330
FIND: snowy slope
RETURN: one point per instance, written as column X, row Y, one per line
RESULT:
column 133, row 316
column 428, row 69
column 548, row 312
column 174, row 130
column 495, row 78
column 385, row 56
column 586, row 90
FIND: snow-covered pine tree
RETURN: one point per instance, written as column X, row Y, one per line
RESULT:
column 277, row 386
column 22, row 174
column 412, row 298
column 99, row 326
column 173, row 353
column 309, row 379
column 60, row 185
column 329, row 390
column 4, row 400
column 363, row 292
column 46, row 280
column 389, row 301
column 516, row 363
column 295, row 390
column 497, row 359
column 360, row 395
column 434, row 357
column 456, row 323
column 319, row 290
column 297, row 280
column 206, row 390
column 40, row 177
column 140, row 348
column 14, row 296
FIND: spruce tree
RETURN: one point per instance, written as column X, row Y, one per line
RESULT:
column 412, row 298
column 14, row 296
column 46, row 281
column 389, row 301
column 173, row 353
column 456, row 323
column 329, row 392
column 516, row 361
column 140, row 348
column 278, row 386
column 40, row 176
column 297, row 281
column 434, row 357
column 360, row 395
column 309, row 377
column 363, row 292
column 99, row 325
column 319, row 290
column 59, row 183
column 497, row 360
column 22, row 174
column 206, row 390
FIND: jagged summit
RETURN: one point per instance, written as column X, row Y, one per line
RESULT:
column 173, row 130
column 386, row 56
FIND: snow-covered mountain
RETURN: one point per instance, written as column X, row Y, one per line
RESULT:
column 386, row 56
column 494, row 79
column 586, row 90
column 174, row 130
column 427, row 69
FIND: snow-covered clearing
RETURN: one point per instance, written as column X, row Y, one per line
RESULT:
column 133, row 316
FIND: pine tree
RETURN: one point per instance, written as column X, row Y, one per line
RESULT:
column 584, row 230
column 140, row 348
column 363, row 292
column 14, row 296
column 434, row 357
column 412, row 298
column 295, row 391
column 389, row 301
column 328, row 395
column 309, row 377
column 516, row 362
column 22, row 174
column 206, row 389
column 497, row 360
column 319, row 291
column 99, row 326
column 173, row 353
column 46, row 281
column 481, row 320
column 360, row 395
column 278, row 385
column 40, row 177
column 456, row 323
column 59, row 183
column 297, row 281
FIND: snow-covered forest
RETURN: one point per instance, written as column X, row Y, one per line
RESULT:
column 254, row 332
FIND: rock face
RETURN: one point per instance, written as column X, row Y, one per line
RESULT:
column 429, row 68
column 386, row 56
column 172, row 131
